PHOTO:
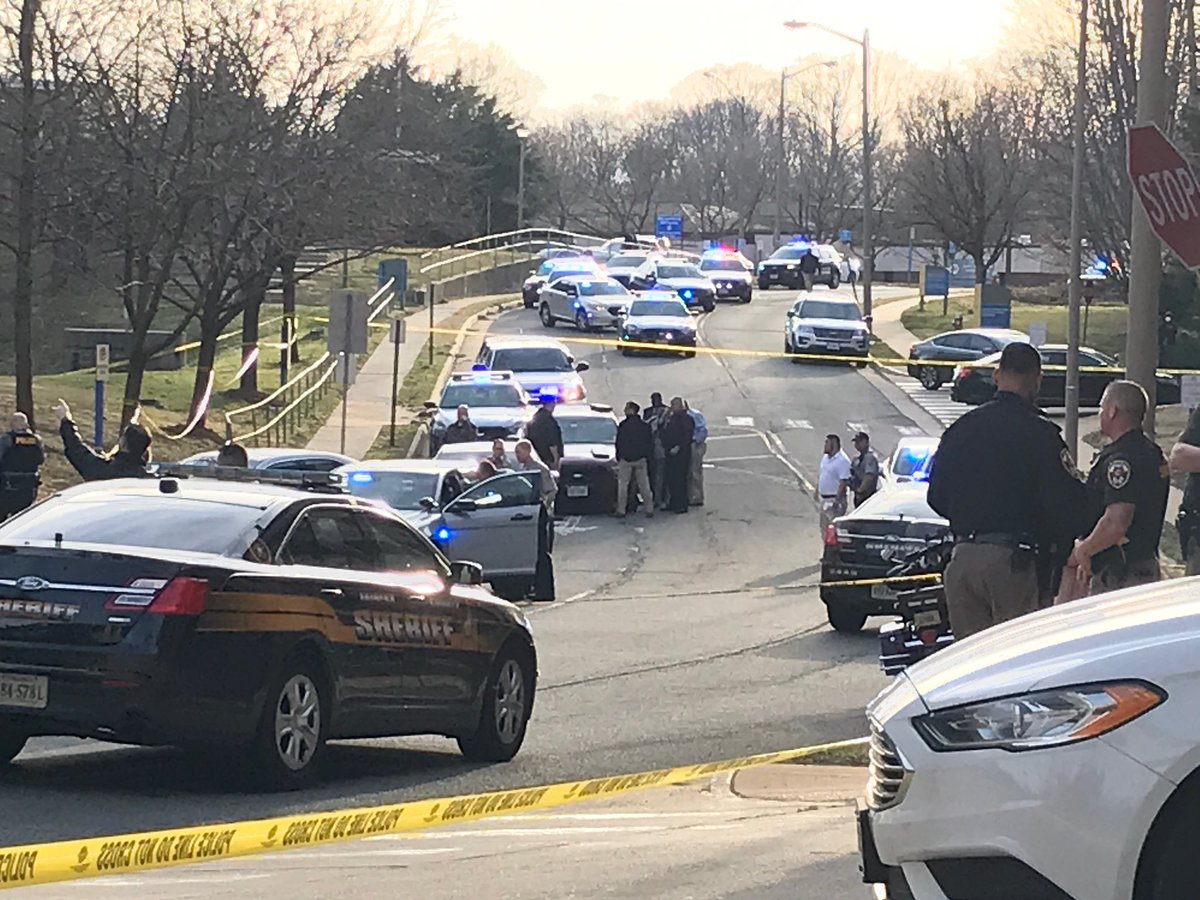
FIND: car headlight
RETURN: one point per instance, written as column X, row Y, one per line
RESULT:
column 791, row 266
column 1048, row 718
column 805, row 331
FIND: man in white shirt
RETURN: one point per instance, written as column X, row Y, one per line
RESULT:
column 834, row 484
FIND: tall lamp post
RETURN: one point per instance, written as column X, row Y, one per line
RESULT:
column 868, row 265
column 522, row 136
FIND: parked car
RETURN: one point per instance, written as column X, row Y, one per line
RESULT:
column 866, row 543
column 910, row 461
column 617, row 246
column 498, row 405
column 973, row 384
column 622, row 267
column 679, row 275
column 412, row 488
column 731, row 273
column 1054, row 756
column 553, row 268
column 830, row 325
column 279, row 459
column 587, row 476
column 659, row 317
column 966, row 345
column 783, row 266
column 590, row 302
column 541, row 365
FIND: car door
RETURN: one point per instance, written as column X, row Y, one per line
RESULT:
column 1092, row 384
column 444, row 661
column 562, row 300
column 1054, row 380
column 957, row 347
column 328, row 544
column 494, row 524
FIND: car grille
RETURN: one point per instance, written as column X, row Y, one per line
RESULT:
column 887, row 775
column 658, row 334
column 836, row 334
column 616, row 310
column 491, row 432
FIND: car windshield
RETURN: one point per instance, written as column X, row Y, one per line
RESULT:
column 601, row 288
column 789, row 253
column 532, row 359
column 627, row 261
column 590, row 430
column 911, row 504
column 399, row 490
column 722, row 265
column 506, row 395
column 679, row 272
column 564, row 265
column 659, row 308
column 166, row 522
column 914, row 461
column 827, row 309
column 1096, row 358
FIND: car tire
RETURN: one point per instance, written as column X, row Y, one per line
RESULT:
column 507, row 702
column 528, row 302
column 749, row 296
column 1166, row 868
column 625, row 351
column 764, row 285
column 12, row 742
column 289, row 743
column 861, row 365
column 708, row 306
column 835, row 281
column 689, row 354
column 930, row 378
column 546, row 316
column 844, row 620
column 581, row 322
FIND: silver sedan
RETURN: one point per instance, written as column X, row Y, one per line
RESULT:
column 589, row 301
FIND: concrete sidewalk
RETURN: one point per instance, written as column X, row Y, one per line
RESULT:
column 368, row 402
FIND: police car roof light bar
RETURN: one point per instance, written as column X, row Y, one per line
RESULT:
column 329, row 482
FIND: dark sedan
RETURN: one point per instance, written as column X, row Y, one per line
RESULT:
column 966, row 345
column 252, row 618
column 973, row 384
column 866, row 543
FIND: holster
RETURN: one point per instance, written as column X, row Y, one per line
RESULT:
column 1187, row 523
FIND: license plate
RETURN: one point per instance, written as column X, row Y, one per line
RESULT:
column 577, row 490
column 926, row 619
column 26, row 691
column 882, row 592
column 774, row 276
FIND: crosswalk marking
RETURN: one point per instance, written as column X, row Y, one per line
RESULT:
column 910, row 430
column 798, row 423
column 740, row 421
column 937, row 403
column 856, row 426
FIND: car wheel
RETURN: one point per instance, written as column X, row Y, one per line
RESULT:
column 689, row 354
column 708, row 305
column 1165, row 871
column 749, row 296
column 835, row 281
column 929, row 378
column 787, row 344
column 507, row 700
column 764, row 286
column 625, row 351
column 581, row 322
column 845, row 621
column 528, row 301
column 12, row 742
column 861, row 365
column 290, row 742
column 546, row 316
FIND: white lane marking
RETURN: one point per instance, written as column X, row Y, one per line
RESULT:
column 775, row 445
column 209, row 878
column 740, row 436
column 798, row 423
column 555, row 832
column 740, row 421
column 724, row 459
column 856, row 426
column 910, row 430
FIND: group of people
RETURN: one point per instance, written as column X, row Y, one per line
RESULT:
column 1029, row 529
column 660, row 452
column 842, row 478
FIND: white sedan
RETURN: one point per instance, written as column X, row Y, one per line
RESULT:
column 1056, row 757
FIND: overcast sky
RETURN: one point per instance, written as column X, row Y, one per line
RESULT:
column 639, row 50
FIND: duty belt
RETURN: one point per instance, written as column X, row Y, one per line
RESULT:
column 996, row 539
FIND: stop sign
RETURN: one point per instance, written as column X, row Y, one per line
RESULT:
column 1168, row 190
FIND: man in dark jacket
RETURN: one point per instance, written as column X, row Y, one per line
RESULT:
column 809, row 264
column 462, row 430
column 677, row 433
column 21, row 458
column 545, row 434
column 130, row 460
column 635, row 447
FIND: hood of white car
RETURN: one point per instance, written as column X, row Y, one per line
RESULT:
column 1115, row 635
column 589, row 451
column 722, row 275
column 670, row 323
column 485, row 416
column 685, row 284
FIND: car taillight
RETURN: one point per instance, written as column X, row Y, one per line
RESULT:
column 181, row 597
column 831, row 535
column 912, row 351
column 964, row 372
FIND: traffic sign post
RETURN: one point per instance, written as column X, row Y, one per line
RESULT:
column 103, row 358
column 398, row 334
column 669, row 227
column 1166, row 185
column 348, row 326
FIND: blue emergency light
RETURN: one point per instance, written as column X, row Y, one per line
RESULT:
column 361, row 477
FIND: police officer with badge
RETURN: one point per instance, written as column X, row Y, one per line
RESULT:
column 21, row 459
column 1127, row 498
column 1008, row 484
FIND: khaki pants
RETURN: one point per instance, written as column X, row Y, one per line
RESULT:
column 984, row 587
column 639, row 471
column 1113, row 578
column 810, row 279
column 831, row 508
column 696, row 475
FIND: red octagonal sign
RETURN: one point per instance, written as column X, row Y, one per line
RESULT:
column 1168, row 189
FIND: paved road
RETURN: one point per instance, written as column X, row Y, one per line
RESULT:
column 687, row 638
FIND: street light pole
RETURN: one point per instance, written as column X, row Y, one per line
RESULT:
column 1076, row 263
column 521, row 184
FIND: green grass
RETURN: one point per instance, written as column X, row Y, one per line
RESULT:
column 840, row 756
column 1106, row 324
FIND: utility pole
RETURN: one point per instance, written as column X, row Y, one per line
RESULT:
column 1076, row 264
column 868, row 263
column 1145, row 256
column 521, row 182
column 778, row 229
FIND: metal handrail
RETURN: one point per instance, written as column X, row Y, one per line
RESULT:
column 291, row 406
column 504, row 234
column 281, row 389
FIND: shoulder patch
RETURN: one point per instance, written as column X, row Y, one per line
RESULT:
column 1118, row 473
column 1068, row 463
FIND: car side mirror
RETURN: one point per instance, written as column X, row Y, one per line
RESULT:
column 427, row 503
column 581, row 367
column 791, row 314
column 430, row 404
column 693, row 312
column 464, row 572
column 463, row 505
column 651, row 278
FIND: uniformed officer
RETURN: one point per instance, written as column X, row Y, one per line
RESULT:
column 1185, row 458
column 1008, row 484
column 21, row 459
column 1127, row 497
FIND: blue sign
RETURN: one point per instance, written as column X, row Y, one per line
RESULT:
column 937, row 281
column 962, row 273
column 394, row 268
column 995, row 315
column 669, row 227
column 845, row 235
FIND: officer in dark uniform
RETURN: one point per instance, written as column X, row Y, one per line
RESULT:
column 1127, row 498
column 1008, row 484
column 21, row 459
column 545, row 433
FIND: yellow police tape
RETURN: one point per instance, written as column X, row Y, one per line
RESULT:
column 125, row 853
column 779, row 354
column 871, row 582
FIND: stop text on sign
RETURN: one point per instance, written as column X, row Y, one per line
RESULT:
column 1169, row 195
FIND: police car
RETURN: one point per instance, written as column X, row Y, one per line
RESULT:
column 783, row 266
column 731, row 273
column 681, row 276
column 555, row 268
column 252, row 617
column 543, row 366
column 497, row 402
